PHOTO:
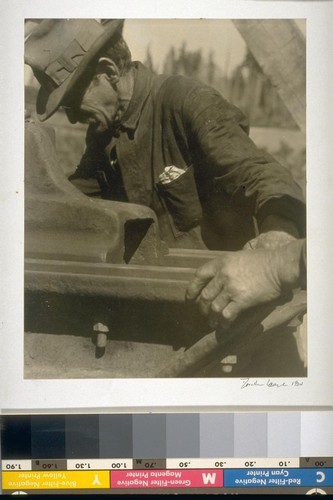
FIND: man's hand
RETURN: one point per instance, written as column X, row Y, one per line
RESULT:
column 236, row 281
column 274, row 232
column 269, row 240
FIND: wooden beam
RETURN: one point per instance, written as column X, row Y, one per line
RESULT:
column 278, row 46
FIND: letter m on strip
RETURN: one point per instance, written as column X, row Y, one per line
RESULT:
column 209, row 478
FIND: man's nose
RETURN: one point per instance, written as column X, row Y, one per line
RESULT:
column 71, row 115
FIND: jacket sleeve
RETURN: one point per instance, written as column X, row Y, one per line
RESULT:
column 93, row 158
column 89, row 176
column 218, row 134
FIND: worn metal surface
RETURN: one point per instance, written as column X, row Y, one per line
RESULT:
column 61, row 222
column 108, row 280
column 54, row 356
column 145, row 337
column 92, row 262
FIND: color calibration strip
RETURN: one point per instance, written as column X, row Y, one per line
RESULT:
column 215, row 452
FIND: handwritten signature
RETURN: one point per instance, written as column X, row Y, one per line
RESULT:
column 247, row 382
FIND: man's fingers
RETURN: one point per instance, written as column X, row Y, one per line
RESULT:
column 209, row 294
column 200, row 280
column 217, row 306
column 251, row 245
column 195, row 286
column 231, row 311
column 220, row 302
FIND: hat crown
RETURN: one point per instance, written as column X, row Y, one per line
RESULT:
column 60, row 42
column 59, row 51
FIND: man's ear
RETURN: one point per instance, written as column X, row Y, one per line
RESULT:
column 109, row 67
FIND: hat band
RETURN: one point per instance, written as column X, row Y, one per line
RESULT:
column 60, row 69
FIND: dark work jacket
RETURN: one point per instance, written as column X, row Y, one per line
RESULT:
column 227, row 182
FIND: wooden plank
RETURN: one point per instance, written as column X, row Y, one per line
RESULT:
column 278, row 46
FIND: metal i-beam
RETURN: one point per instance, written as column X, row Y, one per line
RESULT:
column 166, row 282
column 63, row 223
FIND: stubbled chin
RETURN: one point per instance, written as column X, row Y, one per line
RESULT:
column 98, row 127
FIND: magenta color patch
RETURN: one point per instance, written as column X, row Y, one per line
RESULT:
column 200, row 478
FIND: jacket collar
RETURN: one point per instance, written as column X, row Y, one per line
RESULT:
column 141, row 90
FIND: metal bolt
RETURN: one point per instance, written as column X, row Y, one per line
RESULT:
column 228, row 362
column 102, row 331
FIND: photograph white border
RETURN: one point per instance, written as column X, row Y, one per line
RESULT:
column 133, row 394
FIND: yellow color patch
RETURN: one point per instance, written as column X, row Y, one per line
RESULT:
column 55, row 480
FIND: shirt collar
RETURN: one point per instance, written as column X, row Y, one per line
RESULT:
column 141, row 90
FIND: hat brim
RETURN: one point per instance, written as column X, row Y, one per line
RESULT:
column 49, row 101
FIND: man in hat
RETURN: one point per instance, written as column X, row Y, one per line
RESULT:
column 167, row 142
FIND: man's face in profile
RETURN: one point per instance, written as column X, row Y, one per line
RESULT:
column 98, row 105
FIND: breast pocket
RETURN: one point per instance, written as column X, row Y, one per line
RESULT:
column 181, row 200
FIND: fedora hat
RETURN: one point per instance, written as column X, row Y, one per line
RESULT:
column 61, row 51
